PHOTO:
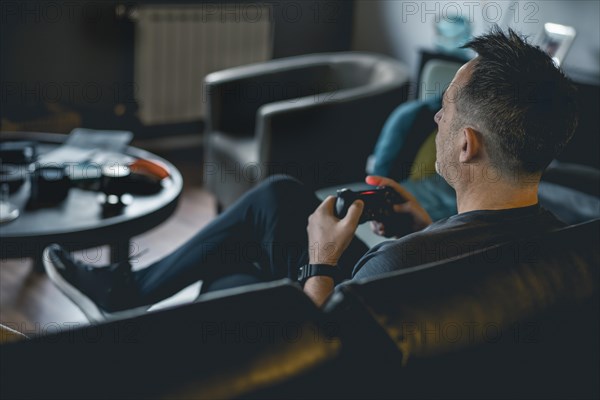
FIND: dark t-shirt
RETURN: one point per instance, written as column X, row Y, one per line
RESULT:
column 453, row 236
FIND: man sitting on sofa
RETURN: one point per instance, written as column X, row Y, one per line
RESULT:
column 505, row 116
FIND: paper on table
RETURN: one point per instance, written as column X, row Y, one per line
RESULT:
column 84, row 145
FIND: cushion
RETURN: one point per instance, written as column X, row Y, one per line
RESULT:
column 424, row 164
column 403, row 134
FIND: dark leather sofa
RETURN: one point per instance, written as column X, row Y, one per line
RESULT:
column 518, row 320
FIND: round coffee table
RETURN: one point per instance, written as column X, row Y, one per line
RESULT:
column 77, row 222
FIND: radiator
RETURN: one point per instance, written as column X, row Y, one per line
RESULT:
column 176, row 46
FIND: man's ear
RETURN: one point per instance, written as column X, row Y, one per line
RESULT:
column 471, row 145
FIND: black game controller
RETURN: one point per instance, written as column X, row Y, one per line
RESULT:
column 379, row 203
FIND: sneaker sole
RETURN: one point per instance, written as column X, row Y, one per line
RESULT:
column 92, row 312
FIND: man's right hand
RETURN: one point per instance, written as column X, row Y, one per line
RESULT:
column 410, row 216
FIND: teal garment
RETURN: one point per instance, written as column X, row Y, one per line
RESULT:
column 404, row 132
column 435, row 196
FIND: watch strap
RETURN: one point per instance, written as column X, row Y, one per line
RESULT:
column 309, row 270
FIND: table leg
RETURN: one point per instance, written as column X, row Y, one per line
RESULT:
column 119, row 251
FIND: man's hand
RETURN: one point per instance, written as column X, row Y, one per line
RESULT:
column 411, row 217
column 329, row 236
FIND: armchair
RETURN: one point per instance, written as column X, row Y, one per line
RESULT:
column 315, row 117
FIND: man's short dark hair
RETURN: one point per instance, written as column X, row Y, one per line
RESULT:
column 524, row 104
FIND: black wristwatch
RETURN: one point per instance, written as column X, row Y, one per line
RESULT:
column 308, row 270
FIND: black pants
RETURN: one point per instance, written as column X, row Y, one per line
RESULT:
column 260, row 238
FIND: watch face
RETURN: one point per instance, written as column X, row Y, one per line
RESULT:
column 301, row 272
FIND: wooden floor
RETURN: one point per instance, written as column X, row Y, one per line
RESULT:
column 30, row 303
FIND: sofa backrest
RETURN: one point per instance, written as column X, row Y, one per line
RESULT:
column 245, row 96
column 230, row 344
column 240, row 91
column 515, row 320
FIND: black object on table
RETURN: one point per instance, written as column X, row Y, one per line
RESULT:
column 78, row 221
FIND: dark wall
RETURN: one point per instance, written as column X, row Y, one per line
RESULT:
column 303, row 27
column 80, row 55
column 60, row 52
column 584, row 147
